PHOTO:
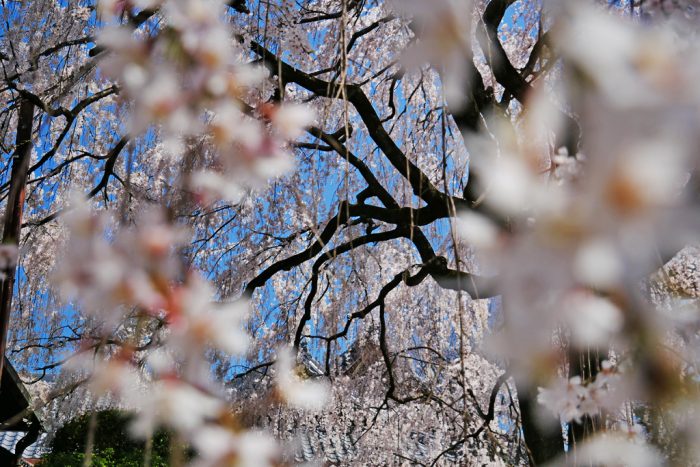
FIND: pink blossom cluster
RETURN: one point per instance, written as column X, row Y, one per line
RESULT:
column 131, row 282
column 573, row 398
column 157, row 320
column 134, row 281
column 576, row 235
column 192, row 80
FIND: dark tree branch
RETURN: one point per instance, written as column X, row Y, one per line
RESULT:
column 107, row 173
column 419, row 182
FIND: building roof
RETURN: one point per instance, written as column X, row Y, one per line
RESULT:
column 9, row 439
column 316, row 444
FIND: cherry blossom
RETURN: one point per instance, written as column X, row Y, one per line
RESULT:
column 359, row 232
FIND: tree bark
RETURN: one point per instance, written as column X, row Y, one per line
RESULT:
column 544, row 442
column 13, row 213
column 585, row 364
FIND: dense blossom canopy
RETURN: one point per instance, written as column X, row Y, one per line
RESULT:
column 358, row 231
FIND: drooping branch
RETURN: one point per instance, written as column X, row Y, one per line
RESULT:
column 295, row 260
column 374, row 185
column 509, row 77
column 504, row 72
column 107, row 173
column 419, row 182
column 330, row 254
column 486, row 417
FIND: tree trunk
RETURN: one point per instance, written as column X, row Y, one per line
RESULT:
column 586, row 364
column 544, row 442
column 13, row 213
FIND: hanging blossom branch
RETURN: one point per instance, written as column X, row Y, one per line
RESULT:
column 190, row 80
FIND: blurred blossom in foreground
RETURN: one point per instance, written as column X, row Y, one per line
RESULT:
column 294, row 388
column 574, row 223
column 248, row 449
column 134, row 279
column 614, row 449
column 573, row 398
column 8, row 259
column 443, row 29
column 192, row 80
column 582, row 234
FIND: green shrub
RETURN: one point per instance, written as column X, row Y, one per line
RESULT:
column 113, row 446
column 106, row 458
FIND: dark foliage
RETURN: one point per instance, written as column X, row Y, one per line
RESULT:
column 112, row 444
